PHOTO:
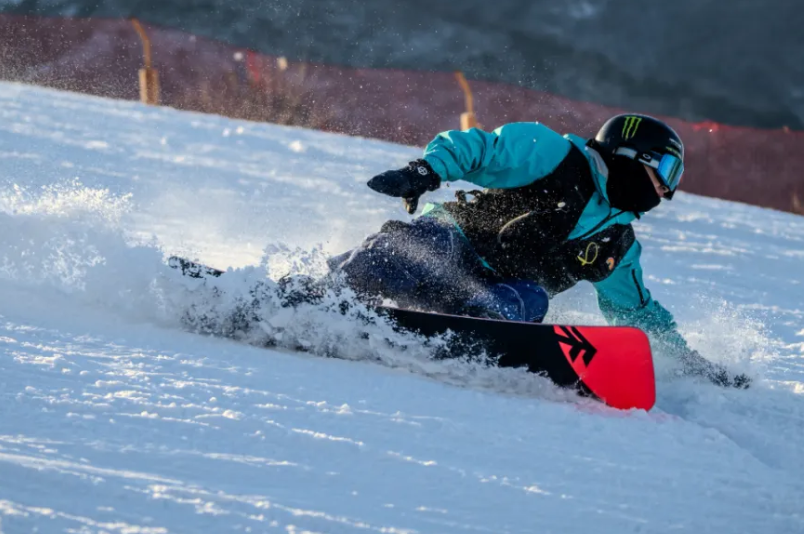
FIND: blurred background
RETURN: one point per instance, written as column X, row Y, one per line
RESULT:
column 728, row 73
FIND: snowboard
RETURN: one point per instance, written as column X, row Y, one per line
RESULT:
column 609, row 363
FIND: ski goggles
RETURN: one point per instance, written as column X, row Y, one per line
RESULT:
column 668, row 167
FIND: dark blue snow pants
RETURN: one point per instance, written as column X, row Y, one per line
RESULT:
column 429, row 264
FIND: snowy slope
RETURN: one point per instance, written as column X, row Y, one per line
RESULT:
column 113, row 419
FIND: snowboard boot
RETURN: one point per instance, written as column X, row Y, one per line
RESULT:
column 720, row 376
column 693, row 364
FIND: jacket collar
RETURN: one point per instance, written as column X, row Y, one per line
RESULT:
column 600, row 171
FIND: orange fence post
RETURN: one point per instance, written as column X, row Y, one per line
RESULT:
column 798, row 206
column 468, row 119
column 149, row 78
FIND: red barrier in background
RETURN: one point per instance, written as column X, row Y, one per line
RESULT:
column 102, row 57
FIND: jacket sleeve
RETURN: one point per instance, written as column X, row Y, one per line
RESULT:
column 513, row 155
column 624, row 300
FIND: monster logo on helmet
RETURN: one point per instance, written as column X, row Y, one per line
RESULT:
column 631, row 126
column 647, row 140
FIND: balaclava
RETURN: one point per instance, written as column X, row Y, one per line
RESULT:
column 629, row 187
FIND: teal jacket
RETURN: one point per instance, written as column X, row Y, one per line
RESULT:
column 519, row 154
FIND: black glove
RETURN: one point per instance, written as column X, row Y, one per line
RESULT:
column 409, row 183
column 695, row 364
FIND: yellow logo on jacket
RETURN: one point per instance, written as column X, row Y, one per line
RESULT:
column 592, row 250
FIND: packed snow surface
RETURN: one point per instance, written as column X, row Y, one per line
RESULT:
column 115, row 418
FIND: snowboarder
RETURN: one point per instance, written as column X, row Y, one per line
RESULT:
column 555, row 210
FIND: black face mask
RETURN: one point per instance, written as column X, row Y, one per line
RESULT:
column 629, row 187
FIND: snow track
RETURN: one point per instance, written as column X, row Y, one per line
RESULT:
column 113, row 419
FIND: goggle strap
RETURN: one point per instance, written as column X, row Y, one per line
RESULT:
column 633, row 154
column 627, row 152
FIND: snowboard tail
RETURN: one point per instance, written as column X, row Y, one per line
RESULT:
column 611, row 364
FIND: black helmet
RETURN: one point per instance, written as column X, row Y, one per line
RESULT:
column 647, row 140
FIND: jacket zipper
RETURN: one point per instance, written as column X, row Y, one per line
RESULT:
column 639, row 289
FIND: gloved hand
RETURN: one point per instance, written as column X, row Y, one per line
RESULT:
column 695, row 364
column 409, row 183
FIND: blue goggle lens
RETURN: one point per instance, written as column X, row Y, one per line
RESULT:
column 670, row 170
